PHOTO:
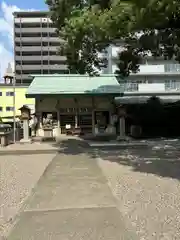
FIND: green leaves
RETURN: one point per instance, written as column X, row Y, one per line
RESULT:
column 128, row 61
column 89, row 26
column 83, row 36
column 81, row 26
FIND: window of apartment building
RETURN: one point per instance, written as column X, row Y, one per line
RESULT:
column 55, row 44
column 32, row 53
column 53, row 34
column 44, row 34
column 31, row 25
column 8, row 109
column 47, row 24
column 9, row 94
column 31, row 72
column 0, row 93
column 31, row 34
column 29, row 44
column 1, row 108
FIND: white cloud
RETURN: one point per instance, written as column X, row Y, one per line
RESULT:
column 6, row 30
column 6, row 22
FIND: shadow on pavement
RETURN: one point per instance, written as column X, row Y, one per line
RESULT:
column 74, row 147
column 160, row 158
column 159, row 161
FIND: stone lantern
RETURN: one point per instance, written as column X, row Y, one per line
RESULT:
column 25, row 112
column 25, row 116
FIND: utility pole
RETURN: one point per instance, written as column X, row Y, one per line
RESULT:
column 14, row 109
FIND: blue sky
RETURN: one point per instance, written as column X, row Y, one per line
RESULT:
column 7, row 7
column 24, row 4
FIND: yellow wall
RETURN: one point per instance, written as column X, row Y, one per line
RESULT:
column 7, row 101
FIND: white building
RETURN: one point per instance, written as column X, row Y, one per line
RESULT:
column 162, row 76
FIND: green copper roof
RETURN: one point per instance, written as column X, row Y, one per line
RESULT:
column 73, row 84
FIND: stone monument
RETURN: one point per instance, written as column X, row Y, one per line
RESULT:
column 25, row 116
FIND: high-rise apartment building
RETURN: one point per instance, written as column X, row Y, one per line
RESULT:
column 35, row 46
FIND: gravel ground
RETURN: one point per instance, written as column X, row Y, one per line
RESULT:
column 147, row 193
column 18, row 175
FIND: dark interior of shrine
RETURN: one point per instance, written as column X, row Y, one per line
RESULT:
column 157, row 119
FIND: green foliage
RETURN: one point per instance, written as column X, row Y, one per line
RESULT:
column 80, row 47
column 88, row 27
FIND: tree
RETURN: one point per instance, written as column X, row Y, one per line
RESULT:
column 88, row 27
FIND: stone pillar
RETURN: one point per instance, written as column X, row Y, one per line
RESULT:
column 93, row 115
column 25, row 129
column 59, row 122
column 26, row 138
column 4, row 140
column 93, row 123
column 76, row 120
column 76, row 112
column 40, row 131
column 122, row 128
column 57, row 134
column 40, row 120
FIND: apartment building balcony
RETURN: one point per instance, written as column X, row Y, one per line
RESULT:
column 152, row 87
column 23, row 76
column 36, row 49
column 164, row 67
column 156, row 83
column 40, row 58
column 35, row 30
column 38, row 39
column 172, row 68
column 42, row 67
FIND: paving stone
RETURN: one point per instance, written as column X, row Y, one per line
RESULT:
column 65, row 186
column 75, row 224
column 72, row 200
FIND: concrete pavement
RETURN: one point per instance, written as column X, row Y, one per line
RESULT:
column 19, row 174
column 26, row 149
column 72, row 200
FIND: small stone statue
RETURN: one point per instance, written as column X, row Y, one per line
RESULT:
column 47, row 122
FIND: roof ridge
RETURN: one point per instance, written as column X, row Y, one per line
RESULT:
column 72, row 75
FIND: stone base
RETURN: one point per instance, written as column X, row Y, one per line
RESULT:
column 122, row 138
column 23, row 141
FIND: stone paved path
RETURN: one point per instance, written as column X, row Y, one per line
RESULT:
column 72, row 200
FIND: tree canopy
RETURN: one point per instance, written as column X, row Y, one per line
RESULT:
column 90, row 26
